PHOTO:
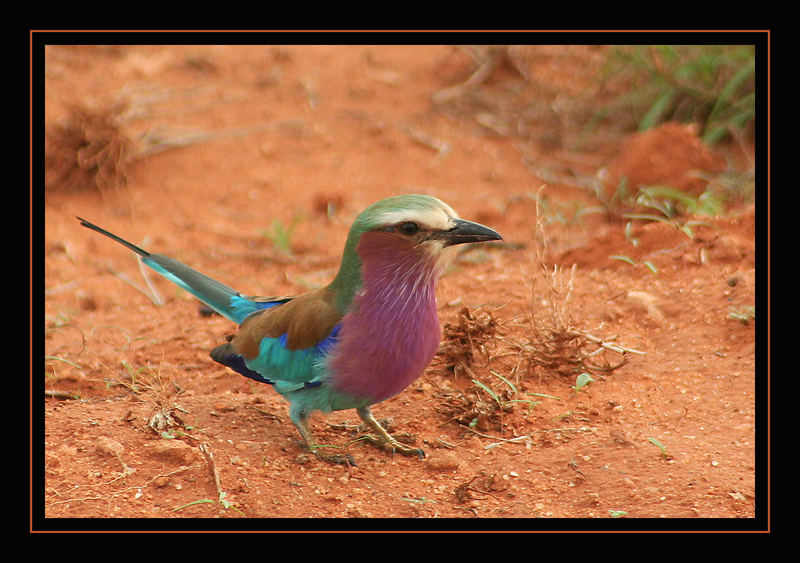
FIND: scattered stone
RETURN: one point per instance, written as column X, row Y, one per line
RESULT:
column 647, row 303
column 161, row 481
column 445, row 461
column 174, row 451
column 109, row 446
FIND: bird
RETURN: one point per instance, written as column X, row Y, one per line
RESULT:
column 355, row 342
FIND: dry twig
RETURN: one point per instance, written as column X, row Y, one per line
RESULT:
column 205, row 449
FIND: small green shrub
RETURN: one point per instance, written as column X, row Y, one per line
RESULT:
column 713, row 85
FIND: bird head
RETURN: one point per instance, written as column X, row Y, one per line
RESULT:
column 421, row 223
column 422, row 220
column 411, row 224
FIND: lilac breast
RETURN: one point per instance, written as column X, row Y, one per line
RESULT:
column 391, row 331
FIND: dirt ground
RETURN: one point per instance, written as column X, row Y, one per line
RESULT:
column 262, row 141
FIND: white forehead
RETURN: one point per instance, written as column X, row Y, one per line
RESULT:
column 438, row 215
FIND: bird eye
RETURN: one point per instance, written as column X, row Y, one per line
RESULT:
column 408, row 228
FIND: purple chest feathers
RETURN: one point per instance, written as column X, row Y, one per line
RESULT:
column 392, row 330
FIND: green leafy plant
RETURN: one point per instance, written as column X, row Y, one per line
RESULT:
column 713, row 85
column 670, row 202
column 676, row 207
column 660, row 446
column 647, row 263
column 511, row 392
column 281, row 235
column 133, row 373
column 743, row 314
column 582, row 381
column 669, row 206
column 49, row 361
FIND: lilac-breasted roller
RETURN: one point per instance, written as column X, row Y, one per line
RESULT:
column 355, row 342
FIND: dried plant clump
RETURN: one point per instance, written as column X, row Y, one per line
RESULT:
column 165, row 413
column 555, row 343
column 472, row 409
column 482, row 484
column 89, row 149
column 569, row 352
column 471, row 337
column 95, row 146
column 151, row 386
column 504, row 95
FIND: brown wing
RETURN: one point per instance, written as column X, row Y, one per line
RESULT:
column 306, row 320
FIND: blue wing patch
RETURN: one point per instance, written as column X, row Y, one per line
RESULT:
column 287, row 370
column 241, row 307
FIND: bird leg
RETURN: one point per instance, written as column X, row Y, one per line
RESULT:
column 319, row 451
column 384, row 439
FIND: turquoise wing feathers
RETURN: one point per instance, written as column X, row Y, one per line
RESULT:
column 287, row 370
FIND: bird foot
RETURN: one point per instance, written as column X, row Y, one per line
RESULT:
column 384, row 440
column 393, row 446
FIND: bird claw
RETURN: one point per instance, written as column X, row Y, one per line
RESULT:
column 393, row 446
column 384, row 440
column 414, row 452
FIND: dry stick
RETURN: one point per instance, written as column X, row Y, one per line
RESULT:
column 441, row 146
column 59, row 394
column 206, row 450
column 574, row 466
column 119, row 492
column 138, row 102
column 61, row 288
column 518, row 439
column 610, row 346
column 466, row 487
column 153, row 141
column 156, row 297
column 122, row 276
column 476, row 79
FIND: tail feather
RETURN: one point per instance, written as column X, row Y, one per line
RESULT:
column 112, row 236
column 213, row 293
column 226, row 301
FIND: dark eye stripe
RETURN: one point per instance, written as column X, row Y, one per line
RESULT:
column 408, row 228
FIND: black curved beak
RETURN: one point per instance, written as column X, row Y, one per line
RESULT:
column 466, row 231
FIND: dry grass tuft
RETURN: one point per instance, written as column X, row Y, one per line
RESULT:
column 556, row 344
column 557, row 347
column 471, row 338
column 551, row 343
column 89, row 150
column 150, row 385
